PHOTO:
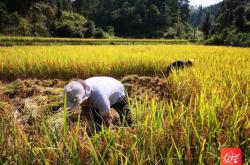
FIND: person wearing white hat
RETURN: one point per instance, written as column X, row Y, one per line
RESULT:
column 99, row 94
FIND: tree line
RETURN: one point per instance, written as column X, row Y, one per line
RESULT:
column 96, row 18
column 225, row 23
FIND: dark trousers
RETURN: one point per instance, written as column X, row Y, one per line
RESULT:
column 123, row 110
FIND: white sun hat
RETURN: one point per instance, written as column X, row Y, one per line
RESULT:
column 76, row 93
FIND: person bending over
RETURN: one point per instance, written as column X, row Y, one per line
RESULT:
column 99, row 94
column 177, row 65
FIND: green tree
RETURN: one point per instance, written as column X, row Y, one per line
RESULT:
column 141, row 8
column 70, row 25
column 206, row 26
column 67, row 5
column 91, row 30
column 153, row 17
column 42, row 17
column 239, row 19
column 137, row 23
column 3, row 18
column 165, row 18
column 247, row 12
column 184, row 10
column 195, row 19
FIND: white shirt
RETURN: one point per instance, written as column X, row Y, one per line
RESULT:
column 105, row 92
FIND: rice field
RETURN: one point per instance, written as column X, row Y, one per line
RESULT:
column 202, row 109
column 66, row 62
column 21, row 40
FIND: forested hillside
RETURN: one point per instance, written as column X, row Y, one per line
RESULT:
column 96, row 18
column 198, row 15
column 226, row 23
column 232, row 24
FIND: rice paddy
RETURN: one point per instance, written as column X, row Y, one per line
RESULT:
column 17, row 40
column 185, row 118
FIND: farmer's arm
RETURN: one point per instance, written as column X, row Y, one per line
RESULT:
column 103, row 105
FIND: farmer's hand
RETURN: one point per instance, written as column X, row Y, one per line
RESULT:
column 107, row 120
